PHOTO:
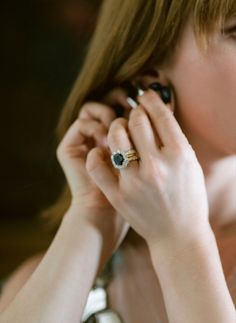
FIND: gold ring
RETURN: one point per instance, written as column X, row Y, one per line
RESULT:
column 120, row 159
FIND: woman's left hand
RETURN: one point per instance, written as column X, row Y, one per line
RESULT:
column 163, row 195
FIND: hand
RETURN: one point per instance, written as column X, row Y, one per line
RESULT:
column 90, row 130
column 163, row 195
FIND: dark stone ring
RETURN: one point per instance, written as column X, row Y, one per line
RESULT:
column 120, row 159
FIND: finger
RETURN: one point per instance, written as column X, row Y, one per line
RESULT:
column 151, row 77
column 142, row 133
column 99, row 112
column 93, row 129
column 71, row 143
column 162, row 119
column 82, row 129
column 118, row 139
column 102, row 174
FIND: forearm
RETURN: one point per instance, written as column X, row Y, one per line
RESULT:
column 193, row 282
column 57, row 290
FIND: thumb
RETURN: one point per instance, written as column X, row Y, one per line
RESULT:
column 100, row 170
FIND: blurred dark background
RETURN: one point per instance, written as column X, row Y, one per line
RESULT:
column 43, row 44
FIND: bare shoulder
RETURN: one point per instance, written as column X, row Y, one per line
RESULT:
column 18, row 278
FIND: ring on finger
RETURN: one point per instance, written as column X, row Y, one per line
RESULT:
column 120, row 159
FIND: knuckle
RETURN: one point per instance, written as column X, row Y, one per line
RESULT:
column 59, row 153
column 154, row 172
column 79, row 122
column 85, row 107
column 110, row 113
column 115, row 135
column 153, row 96
column 118, row 123
column 164, row 116
column 136, row 119
column 114, row 95
column 91, row 127
column 108, row 117
column 98, row 110
column 128, row 189
column 99, row 127
column 177, row 149
column 183, row 153
column 116, row 130
column 149, row 177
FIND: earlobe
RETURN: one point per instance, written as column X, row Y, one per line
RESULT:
column 164, row 91
column 156, row 79
column 149, row 79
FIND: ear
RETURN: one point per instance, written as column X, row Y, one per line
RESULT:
column 153, row 77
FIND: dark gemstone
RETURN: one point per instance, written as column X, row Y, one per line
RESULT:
column 118, row 159
column 166, row 94
column 155, row 86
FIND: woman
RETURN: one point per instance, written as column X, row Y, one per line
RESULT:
column 177, row 196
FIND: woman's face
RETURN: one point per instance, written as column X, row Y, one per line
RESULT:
column 205, row 91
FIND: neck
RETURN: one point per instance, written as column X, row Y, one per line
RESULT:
column 220, row 173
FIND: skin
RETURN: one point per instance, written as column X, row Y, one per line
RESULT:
column 205, row 101
column 163, row 196
column 205, row 110
column 206, row 104
column 198, row 103
column 203, row 85
column 207, row 115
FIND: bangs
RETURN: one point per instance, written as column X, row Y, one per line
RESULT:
column 211, row 15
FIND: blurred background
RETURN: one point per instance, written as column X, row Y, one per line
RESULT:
column 43, row 44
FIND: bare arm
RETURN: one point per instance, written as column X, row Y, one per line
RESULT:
column 193, row 283
column 57, row 290
column 17, row 278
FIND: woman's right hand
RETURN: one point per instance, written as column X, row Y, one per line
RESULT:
column 89, row 130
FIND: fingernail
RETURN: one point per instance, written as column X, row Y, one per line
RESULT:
column 140, row 92
column 132, row 102
column 140, row 89
column 131, row 94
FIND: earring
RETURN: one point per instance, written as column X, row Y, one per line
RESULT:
column 165, row 92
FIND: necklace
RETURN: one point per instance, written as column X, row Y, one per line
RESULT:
column 97, row 307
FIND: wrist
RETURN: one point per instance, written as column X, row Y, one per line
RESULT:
column 79, row 215
column 176, row 246
column 90, row 222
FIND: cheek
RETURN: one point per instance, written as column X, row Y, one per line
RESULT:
column 206, row 96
